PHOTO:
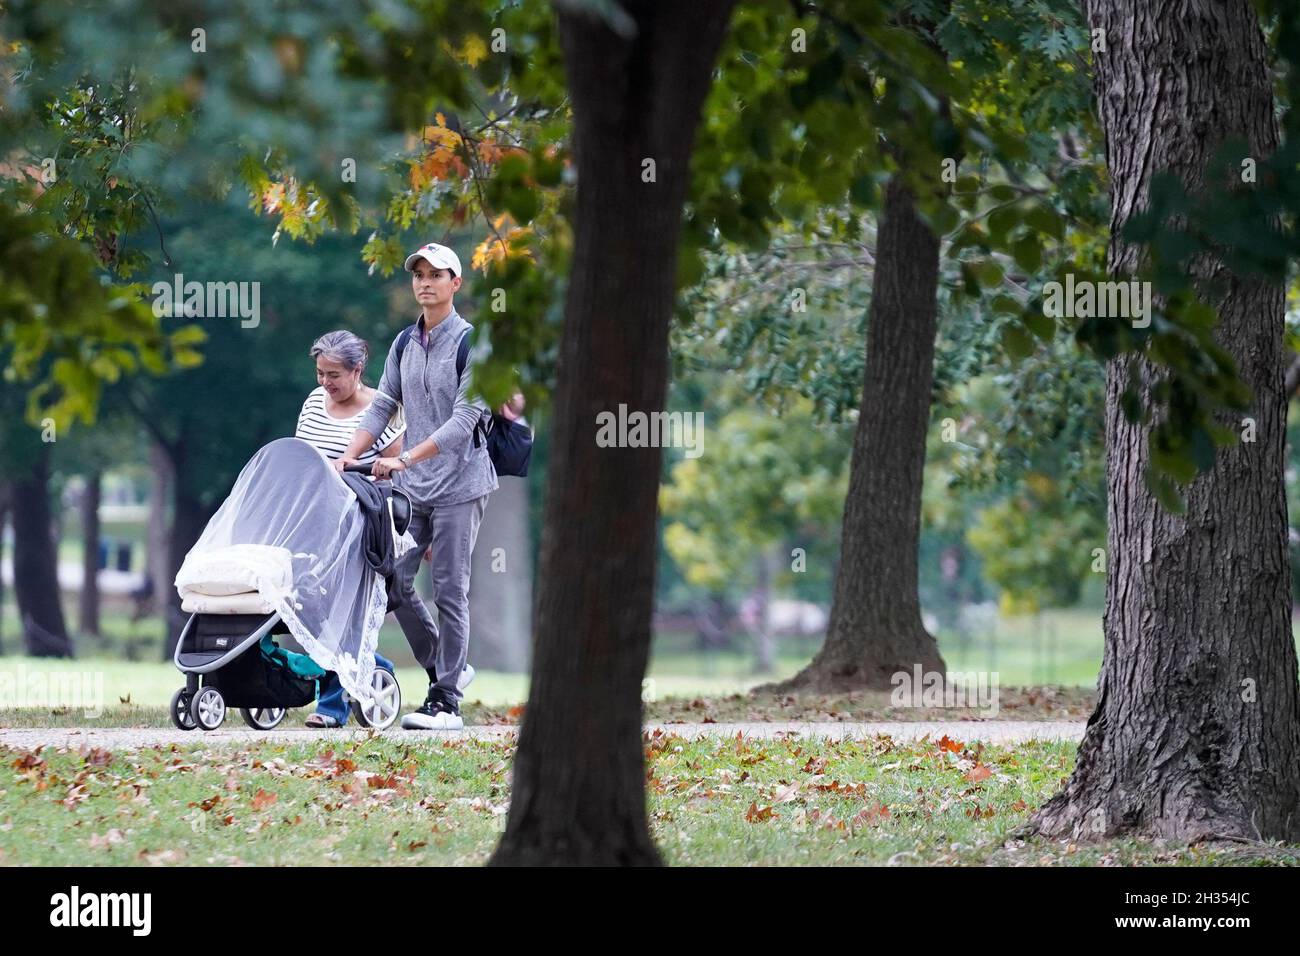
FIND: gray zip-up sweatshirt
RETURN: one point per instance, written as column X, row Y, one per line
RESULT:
column 425, row 386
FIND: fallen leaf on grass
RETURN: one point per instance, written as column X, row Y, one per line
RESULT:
column 756, row 815
column 952, row 746
column 870, row 816
column 786, row 793
column 29, row 760
column 836, row 787
column 109, row 839
column 262, row 799
column 97, row 757
column 977, row 773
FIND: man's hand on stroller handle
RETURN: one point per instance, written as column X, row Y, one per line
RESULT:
column 384, row 467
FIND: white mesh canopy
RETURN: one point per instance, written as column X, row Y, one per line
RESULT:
column 289, row 496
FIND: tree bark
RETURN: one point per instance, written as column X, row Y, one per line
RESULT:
column 579, row 773
column 36, row 571
column 1196, row 733
column 875, row 627
column 88, row 601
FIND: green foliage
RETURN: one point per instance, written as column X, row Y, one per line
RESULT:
column 760, row 481
column 252, row 384
column 1015, row 466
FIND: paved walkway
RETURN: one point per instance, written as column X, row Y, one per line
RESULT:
column 991, row 731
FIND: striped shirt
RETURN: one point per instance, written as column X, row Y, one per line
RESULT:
column 333, row 435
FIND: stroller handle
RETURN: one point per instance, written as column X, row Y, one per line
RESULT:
column 360, row 468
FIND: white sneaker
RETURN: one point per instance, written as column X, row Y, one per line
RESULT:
column 433, row 714
column 466, row 676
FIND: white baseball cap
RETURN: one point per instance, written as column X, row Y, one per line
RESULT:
column 440, row 257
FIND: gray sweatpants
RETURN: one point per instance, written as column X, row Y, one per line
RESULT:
column 451, row 531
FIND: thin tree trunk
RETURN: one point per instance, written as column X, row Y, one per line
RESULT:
column 189, row 517
column 875, row 627
column 579, row 774
column 1196, row 734
column 764, row 639
column 159, row 554
column 4, row 517
column 88, row 603
column 36, row 572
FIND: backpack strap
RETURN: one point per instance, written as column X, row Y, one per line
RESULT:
column 462, row 354
column 462, row 359
column 403, row 337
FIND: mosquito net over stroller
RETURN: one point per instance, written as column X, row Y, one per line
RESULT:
column 291, row 531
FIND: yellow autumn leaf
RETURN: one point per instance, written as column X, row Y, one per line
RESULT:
column 473, row 50
column 504, row 243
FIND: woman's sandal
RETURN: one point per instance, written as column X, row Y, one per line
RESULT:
column 322, row 721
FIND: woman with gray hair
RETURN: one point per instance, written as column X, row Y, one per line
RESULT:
column 328, row 420
column 331, row 414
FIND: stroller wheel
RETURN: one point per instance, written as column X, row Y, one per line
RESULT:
column 262, row 718
column 208, row 708
column 386, row 701
column 180, row 711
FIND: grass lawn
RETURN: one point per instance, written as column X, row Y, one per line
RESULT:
column 683, row 683
column 678, row 672
column 711, row 802
column 1062, row 647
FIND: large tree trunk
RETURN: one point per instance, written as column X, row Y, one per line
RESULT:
column 501, row 588
column 36, row 571
column 579, row 773
column 88, row 602
column 875, row 627
column 1196, row 734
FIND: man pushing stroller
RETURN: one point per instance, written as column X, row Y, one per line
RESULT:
column 448, row 475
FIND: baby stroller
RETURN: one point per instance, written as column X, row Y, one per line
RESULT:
column 285, row 555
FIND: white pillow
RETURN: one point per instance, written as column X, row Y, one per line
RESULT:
column 236, row 569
